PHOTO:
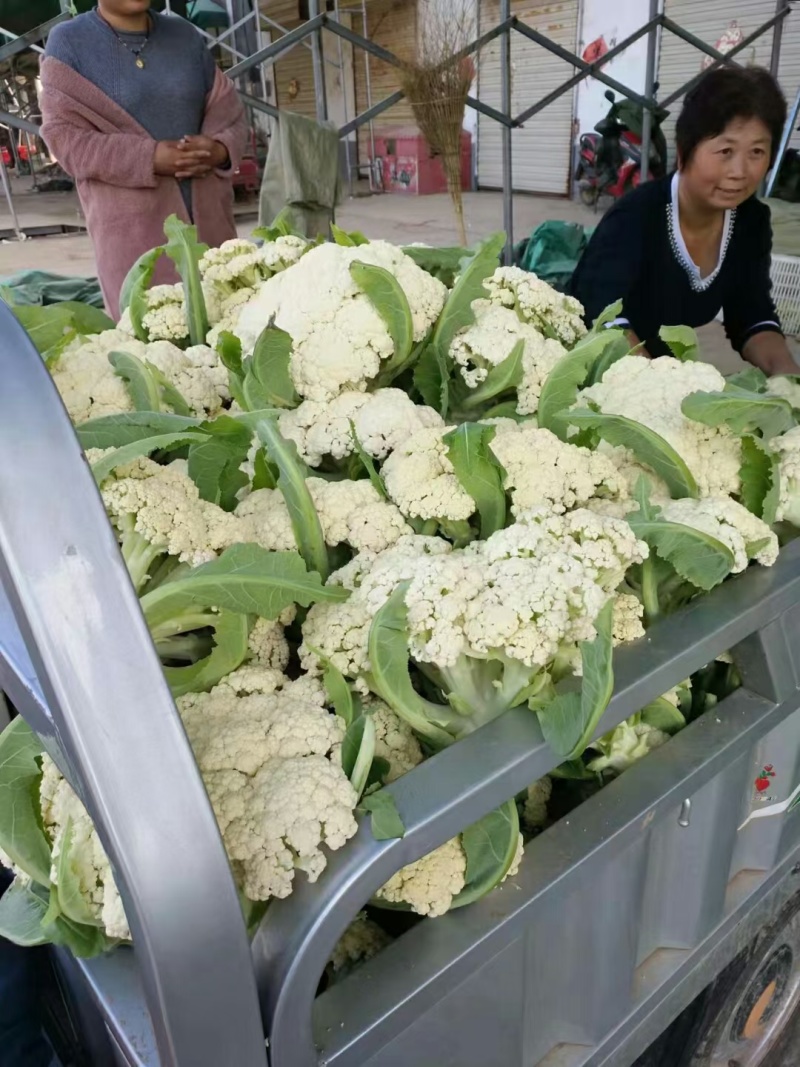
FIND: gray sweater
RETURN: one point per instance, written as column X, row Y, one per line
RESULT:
column 166, row 96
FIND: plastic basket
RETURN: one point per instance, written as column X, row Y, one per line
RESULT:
column 786, row 292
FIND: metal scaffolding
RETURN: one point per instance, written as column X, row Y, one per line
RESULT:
column 248, row 45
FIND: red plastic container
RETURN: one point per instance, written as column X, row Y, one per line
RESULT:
column 408, row 166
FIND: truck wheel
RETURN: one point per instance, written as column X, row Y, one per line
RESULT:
column 748, row 1017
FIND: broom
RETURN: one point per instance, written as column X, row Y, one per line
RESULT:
column 436, row 85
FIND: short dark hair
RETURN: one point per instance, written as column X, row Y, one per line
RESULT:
column 723, row 95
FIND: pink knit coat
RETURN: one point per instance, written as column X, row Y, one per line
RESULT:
column 110, row 156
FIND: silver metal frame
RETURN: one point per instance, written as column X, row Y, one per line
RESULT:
column 78, row 662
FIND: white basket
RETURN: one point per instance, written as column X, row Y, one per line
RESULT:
column 786, row 292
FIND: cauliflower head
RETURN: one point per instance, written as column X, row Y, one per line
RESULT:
column 90, row 388
column 541, row 469
column 157, row 510
column 339, row 339
column 489, row 340
column 624, row 746
column 651, row 391
column 269, row 753
column 165, row 318
column 349, row 512
column 537, row 303
column 787, row 446
column 421, row 480
column 382, row 420
column 729, row 522
column 63, row 814
column 429, row 885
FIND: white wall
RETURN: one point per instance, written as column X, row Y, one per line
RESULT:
column 614, row 21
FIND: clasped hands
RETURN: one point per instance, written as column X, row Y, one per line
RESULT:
column 191, row 157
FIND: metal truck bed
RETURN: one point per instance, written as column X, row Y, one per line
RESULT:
column 620, row 914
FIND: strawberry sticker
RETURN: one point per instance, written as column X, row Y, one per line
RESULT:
column 763, row 780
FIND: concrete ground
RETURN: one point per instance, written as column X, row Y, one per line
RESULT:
column 395, row 218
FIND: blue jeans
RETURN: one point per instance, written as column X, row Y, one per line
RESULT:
column 21, row 969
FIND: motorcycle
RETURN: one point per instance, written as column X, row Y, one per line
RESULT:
column 610, row 159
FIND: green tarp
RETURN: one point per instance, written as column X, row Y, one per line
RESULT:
column 552, row 251
column 38, row 287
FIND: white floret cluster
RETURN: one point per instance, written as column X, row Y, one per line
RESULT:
column 339, row 339
column 651, row 392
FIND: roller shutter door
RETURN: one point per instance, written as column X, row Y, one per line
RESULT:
column 542, row 149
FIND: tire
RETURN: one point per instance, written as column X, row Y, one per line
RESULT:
column 589, row 195
column 750, row 1015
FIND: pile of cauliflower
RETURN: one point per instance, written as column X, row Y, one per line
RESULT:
column 471, row 535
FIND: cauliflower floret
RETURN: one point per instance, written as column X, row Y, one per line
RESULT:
column 341, row 631
column 62, row 810
column 784, row 387
column 277, row 821
column 339, row 339
column 787, row 446
column 537, row 303
column 429, row 885
column 394, row 739
column 624, row 745
column 534, row 814
column 226, row 314
column 541, row 469
column 157, row 509
column 197, row 374
column 231, row 728
column 490, row 340
column 382, row 421
column 420, row 478
column 745, row 535
column 267, row 642
column 90, row 388
column 651, row 391
column 627, row 622
column 165, row 318
column 86, row 380
column 362, row 940
column 283, row 252
column 350, row 512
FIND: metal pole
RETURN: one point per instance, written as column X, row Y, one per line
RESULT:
column 788, row 130
column 319, row 68
column 373, row 184
column 10, row 199
column 777, row 40
column 505, row 92
column 649, row 92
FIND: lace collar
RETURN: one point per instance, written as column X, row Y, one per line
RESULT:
column 679, row 249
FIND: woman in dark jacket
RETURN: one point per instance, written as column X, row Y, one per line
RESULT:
column 679, row 250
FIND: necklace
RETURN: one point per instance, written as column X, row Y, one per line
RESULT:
column 135, row 52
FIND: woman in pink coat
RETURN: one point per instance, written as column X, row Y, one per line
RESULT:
column 135, row 109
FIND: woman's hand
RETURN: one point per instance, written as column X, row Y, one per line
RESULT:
column 199, row 155
column 167, row 158
column 768, row 351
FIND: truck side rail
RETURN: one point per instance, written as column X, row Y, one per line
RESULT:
column 107, row 717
